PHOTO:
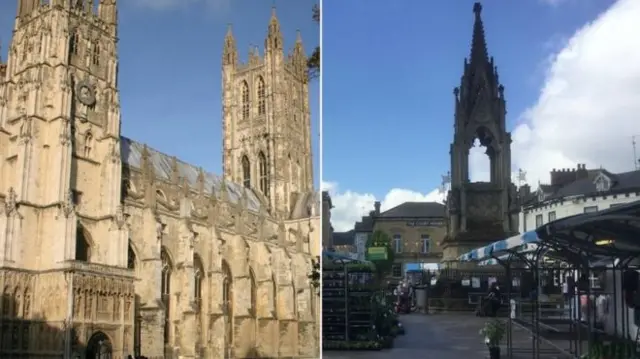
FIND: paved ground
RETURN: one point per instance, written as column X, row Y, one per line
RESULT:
column 442, row 336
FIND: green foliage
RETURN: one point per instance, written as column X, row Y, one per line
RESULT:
column 493, row 332
column 313, row 62
column 314, row 276
column 381, row 239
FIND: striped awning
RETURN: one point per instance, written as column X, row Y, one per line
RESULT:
column 501, row 248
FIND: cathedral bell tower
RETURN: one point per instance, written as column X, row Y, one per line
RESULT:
column 62, row 161
column 266, row 120
column 479, row 212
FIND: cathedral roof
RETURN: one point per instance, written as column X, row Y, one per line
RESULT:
column 131, row 152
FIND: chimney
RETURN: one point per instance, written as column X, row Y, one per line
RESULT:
column 524, row 191
column 582, row 171
column 376, row 205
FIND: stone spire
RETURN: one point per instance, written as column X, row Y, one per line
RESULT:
column 230, row 51
column 274, row 36
column 478, row 56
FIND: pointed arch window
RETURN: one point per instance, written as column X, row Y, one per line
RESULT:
column 131, row 258
column 83, row 247
column 262, row 171
column 262, row 105
column 95, row 55
column 88, row 144
column 245, row 100
column 198, row 277
column 227, row 297
column 274, row 289
column 74, row 42
column 165, row 290
column 246, row 172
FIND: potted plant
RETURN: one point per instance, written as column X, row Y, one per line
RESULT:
column 493, row 333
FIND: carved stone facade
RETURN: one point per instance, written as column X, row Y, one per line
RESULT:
column 108, row 246
column 480, row 212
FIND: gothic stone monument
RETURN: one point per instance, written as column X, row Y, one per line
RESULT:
column 479, row 212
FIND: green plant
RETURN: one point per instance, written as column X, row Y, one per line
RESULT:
column 493, row 332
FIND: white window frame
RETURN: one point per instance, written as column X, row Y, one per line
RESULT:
column 539, row 220
column 397, row 243
column 426, row 243
column 549, row 215
column 590, row 209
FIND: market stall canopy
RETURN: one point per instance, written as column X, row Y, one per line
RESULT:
column 503, row 247
column 612, row 233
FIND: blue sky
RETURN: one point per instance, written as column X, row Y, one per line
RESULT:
column 170, row 67
column 389, row 69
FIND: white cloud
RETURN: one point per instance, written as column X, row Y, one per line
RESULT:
column 350, row 206
column 587, row 111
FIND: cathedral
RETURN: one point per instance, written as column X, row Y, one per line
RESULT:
column 110, row 248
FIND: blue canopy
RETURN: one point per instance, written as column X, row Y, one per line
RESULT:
column 502, row 247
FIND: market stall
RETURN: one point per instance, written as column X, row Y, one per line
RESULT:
column 593, row 258
column 352, row 305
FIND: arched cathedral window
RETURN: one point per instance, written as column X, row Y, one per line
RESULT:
column 198, row 275
column 254, row 293
column 227, row 303
column 74, row 42
column 95, row 56
column 262, row 171
column 262, row 106
column 246, row 172
column 131, row 258
column 83, row 247
column 165, row 289
column 88, row 144
column 245, row 100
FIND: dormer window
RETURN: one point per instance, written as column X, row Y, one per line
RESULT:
column 541, row 196
column 603, row 183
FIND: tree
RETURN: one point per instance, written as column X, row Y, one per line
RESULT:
column 381, row 239
column 313, row 62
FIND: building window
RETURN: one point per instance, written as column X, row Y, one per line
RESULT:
column 397, row 243
column 95, row 57
column 245, row 100
column 246, row 172
column 262, row 171
column 552, row 216
column 262, row 107
column 602, row 184
column 83, row 246
column 396, row 270
column 165, row 290
column 590, row 209
column 198, row 277
column 538, row 220
column 426, row 242
column 74, row 42
column 88, row 144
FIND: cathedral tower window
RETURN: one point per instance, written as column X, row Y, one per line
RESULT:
column 262, row 106
column 198, row 275
column 83, row 246
column 245, row 100
column 88, row 144
column 165, row 289
column 131, row 257
column 74, row 42
column 262, row 170
column 246, row 172
column 95, row 56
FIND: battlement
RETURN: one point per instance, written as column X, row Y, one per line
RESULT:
column 564, row 176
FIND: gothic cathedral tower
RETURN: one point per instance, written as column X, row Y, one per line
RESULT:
column 266, row 120
column 59, row 136
column 480, row 212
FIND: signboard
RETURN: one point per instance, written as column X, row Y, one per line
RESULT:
column 426, row 223
column 377, row 253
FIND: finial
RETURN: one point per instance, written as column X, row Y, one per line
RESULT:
column 477, row 8
column 298, row 36
column 273, row 9
column 229, row 28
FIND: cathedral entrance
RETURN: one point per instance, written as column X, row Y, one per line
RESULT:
column 99, row 347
